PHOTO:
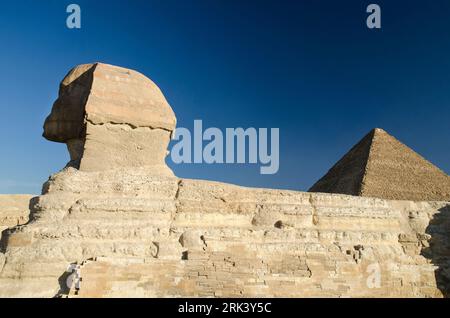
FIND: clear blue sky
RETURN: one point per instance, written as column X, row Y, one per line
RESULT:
column 311, row 68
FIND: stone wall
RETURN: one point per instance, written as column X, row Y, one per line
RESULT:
column 14, row 210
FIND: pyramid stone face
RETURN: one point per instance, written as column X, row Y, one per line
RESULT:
column 111, row 117
column 394, row 171
column 347, row 174
column 381, row 166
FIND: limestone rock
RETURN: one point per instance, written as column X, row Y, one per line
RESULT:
column 111, row 117
column 381, row 166
column 14, row 210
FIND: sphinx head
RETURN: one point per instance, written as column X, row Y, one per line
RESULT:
column 111, row 117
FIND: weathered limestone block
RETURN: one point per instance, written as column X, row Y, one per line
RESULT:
column 14, row 210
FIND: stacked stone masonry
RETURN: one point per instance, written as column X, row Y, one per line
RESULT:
column 14, row 210
column 135, row 235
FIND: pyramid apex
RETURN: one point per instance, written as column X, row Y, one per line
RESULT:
column 379, row 131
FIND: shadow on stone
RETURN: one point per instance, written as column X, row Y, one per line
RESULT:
column 64, row 289
column 33, row 208
column 5, row 233
column 439, row 248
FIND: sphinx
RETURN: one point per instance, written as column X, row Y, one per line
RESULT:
column 131, row 228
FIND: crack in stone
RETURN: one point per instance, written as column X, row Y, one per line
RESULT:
column 177, row 205
column 127, row 124
column 315, row 217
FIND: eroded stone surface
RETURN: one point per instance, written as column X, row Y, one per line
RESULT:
column 111, row 117
column 138, row 235
column 14, row 210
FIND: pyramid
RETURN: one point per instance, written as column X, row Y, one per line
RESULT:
column 381, row 166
